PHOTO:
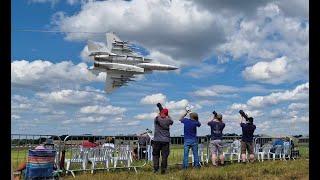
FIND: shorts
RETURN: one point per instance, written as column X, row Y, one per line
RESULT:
column 246, row 146
column 216, row 146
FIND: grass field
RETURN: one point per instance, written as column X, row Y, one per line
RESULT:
column 298, row 169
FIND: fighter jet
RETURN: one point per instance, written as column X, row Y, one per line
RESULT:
column 120, row 62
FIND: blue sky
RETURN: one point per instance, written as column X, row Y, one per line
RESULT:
column 230, row 57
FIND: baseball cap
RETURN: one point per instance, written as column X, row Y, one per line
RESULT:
column 164, row 113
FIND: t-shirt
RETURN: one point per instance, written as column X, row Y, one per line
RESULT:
column 161, row 129
column 190, row 128
column 247, row 131
column 216, row 129
column 88, row 144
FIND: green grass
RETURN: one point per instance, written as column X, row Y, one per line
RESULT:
column 298, row 169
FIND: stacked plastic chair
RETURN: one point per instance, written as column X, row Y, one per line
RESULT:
column 40, row 164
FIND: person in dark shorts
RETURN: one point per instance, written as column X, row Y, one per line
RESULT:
column 216, row 145
column 161, row 140
column 248, row 129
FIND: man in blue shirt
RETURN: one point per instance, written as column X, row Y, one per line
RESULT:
column 247, row 138
column 190, row 138
column 216, row 145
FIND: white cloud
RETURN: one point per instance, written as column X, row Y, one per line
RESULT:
column 301, row 92
column 14, row 116
column 280, row 42
column 238, row 106
column 298, row 106
column 176, row 30
column 41, row 73
column 146, row 116
column 271, row 72
column 228, row 91
column 74, row 97
column 92, row 119
column 174, row 105
column 276, row 113
column 204, row 70
column 104, row 110
column 153, row 99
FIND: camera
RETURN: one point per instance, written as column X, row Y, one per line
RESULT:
column 245, row 116
column 159, row 106
column 188, row 109
column 215, row 113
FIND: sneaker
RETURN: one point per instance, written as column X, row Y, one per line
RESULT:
column 163, row 171
column 155, row 171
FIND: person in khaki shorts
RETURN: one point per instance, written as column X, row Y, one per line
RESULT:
column 248, row 129
column 216, row 145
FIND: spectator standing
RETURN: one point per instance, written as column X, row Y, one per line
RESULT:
column 190, row 138
column 216, row 145
column 248, row 129
column 161, row 140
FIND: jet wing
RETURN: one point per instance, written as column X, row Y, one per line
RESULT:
column 116, row 79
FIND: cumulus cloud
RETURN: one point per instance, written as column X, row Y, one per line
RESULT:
column 204, row 70
column 176, row 30
column 273, row 72
column 301, row 92
column 298, row 106
column 40, row 73
column 74, row 97
column 104, row 110
column 228, row 91
column 146, row 116
column 280, row 42
column 153, row 99
column 14, row 116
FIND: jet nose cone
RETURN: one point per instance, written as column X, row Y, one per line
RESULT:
column 172, row 67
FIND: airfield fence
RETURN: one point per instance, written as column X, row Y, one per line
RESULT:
column 113, row 152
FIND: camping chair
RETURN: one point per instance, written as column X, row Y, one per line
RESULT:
column 277, row 152
column 78, row 155
column 265, row 151
column 100, row 155
column 40, row 164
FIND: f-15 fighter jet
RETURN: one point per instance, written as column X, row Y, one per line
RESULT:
column 120, row 62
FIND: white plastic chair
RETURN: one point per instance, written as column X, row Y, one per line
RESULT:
column 123, row 154
column 149, row 152
column 78, row 155
column 100, row 155
column 277, row 152
column 286, row 150
column 201, row 155
column 265, row 151
column 233, row 150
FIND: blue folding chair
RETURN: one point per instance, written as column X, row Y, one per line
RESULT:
column 40, row 164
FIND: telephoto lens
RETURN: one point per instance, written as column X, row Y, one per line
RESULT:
column 160, row 107
column 244, row 115
column 215, row 113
